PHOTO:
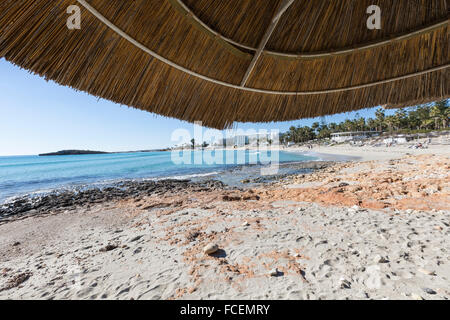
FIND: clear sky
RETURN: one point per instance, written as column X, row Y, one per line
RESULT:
column 37, row 116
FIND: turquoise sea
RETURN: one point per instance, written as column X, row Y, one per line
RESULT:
column 20, row 175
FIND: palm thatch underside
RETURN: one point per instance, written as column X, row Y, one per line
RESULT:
column 227, row 61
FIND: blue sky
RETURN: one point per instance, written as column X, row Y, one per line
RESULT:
column 37, row 116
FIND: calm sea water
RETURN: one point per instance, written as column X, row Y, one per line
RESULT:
column 21, row 175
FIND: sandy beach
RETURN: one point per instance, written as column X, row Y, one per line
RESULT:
column 369, row 153
column 375, row 228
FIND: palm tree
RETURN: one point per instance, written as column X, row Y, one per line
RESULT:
column 371, row 124
column 333, row 127
column 390, row 122
column 413, row 120
column 427, row 116
column 315, row 126
column 440, row 113
column 400, row 118
column 380, row 116
column 427, row 123
column 361, row 123
column 423, row 115
column 293, row 134
column 193, row 143
column 348, row 125
column 324, row 133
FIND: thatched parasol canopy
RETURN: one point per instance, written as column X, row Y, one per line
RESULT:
column 222, row 61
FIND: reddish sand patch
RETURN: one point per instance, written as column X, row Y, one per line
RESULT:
column 420, row 182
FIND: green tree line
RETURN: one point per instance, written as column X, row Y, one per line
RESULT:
column 433, row 116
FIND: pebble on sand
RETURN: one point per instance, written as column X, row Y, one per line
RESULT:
column 109, row 247
column 429, row 291
column 210, row 248
column 427, row 272
column 274, row 272
column 345, row 284
column 380, row 259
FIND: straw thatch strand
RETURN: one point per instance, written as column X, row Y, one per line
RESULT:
column 163, row 63
column 192, row 18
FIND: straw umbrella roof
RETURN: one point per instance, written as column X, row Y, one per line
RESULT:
column 226, row 61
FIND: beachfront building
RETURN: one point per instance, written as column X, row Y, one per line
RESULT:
column 236, row 141
column 352, row 136
column 254, row 139
column 399, row 139
column 241, row 140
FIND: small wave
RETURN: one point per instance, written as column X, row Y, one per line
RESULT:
column 313, row 156
column 188, row 176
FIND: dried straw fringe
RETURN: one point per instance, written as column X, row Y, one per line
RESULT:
column 96, row 60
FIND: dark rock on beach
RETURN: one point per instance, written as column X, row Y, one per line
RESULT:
column 70, row 199
column 62, row 200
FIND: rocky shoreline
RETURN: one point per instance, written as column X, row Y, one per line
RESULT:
column 57, row 201
column 62, row 200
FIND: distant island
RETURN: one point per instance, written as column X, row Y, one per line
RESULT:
column 71, row 152
column 79, row 152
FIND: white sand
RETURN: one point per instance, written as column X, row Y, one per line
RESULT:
column 368, row 153
column 344, row 152
column 325, row 253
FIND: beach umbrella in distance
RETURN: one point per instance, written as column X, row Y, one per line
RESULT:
column 226, row 61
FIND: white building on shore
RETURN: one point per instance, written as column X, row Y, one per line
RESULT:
column 242, row 140
column 353, row 136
